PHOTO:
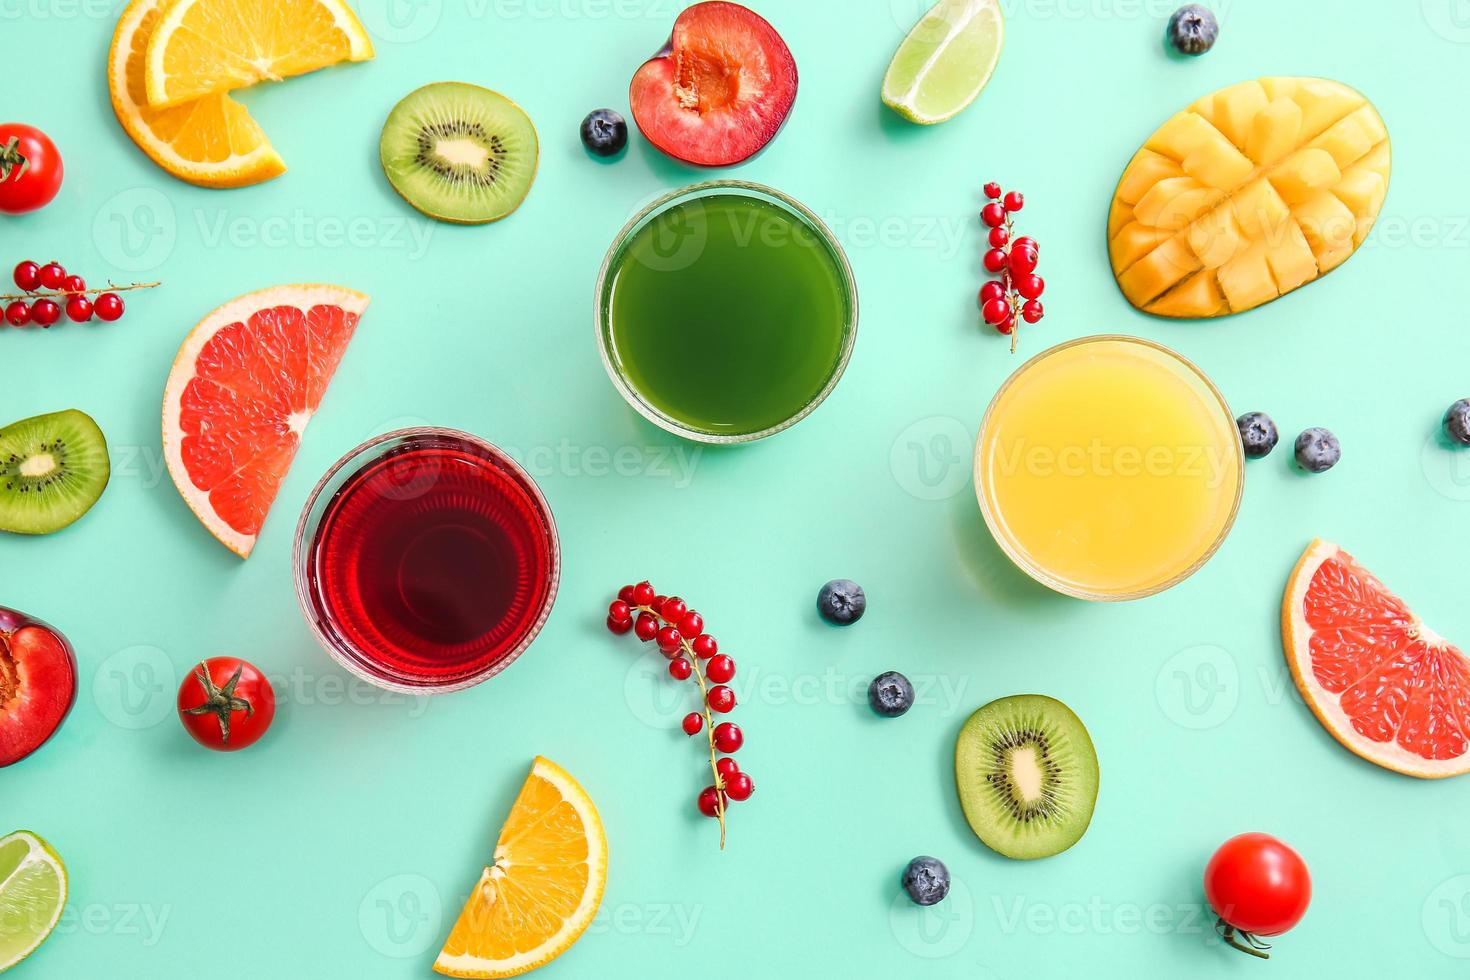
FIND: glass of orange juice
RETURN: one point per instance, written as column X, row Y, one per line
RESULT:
column 1109, row 468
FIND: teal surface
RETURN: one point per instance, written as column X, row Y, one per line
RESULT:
column 342, row 844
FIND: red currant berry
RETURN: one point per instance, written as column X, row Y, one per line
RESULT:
column 1006, row 325
column 721, row 699
column 993, row 289
column 728, row 737
column 79, row 309
column 993, row 214
column 643, row 594
column 999, row 236
column 711, row 801
column 657, row 604
column 720, row 669
column 673, row 609
column 1031, row 311
column 1030, row 285
column 45, row 312
column 668, row 640
column 1026, row 241
column 705, row 646
column 625, row 593
column 619, row 626
column 27, row 276
column 693, row 722
column 995, row 260
column 17, row 314
column 74, row 284
column 52, row 275
column 619, row 610
column 992, row 191
column 996, row 311
column 691, row 624
column 739, row 787
column 727, row 767
column 1023, row 261
column 680, row 669
column 108, row 306
column 646, row 626
column 1015, row 201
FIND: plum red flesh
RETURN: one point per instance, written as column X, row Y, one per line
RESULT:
column 38, row 684
column 721, row 88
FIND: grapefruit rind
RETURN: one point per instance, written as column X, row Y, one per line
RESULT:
column 1296, row 635
column 471, row 966
column 303, row 297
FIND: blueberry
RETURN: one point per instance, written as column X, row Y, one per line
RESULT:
column 891, row 694
column 1317, row 450
column 842, row 601
column 1257, row 434
column 604, row 132
column 1457, row 422
column 926, row 879
column 1193, row 29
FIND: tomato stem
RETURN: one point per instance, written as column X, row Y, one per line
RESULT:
column 1252, row 945
column 10, row 158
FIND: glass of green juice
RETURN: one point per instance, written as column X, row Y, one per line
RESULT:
column 726, row 312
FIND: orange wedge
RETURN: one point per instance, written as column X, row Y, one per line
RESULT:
column 543, row 888
column 211, row 141
column 206, row 47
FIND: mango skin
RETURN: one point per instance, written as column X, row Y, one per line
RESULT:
column 1249, row 193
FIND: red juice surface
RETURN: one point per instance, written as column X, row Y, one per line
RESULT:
column 434, row 561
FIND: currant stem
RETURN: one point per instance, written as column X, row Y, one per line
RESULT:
column 67, row 294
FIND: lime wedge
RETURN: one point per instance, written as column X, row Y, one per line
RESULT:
column 945, row 61
column 32, row 895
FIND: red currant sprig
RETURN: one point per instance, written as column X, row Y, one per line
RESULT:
column 1016, row 293
column 47, row 289
column 678, row 631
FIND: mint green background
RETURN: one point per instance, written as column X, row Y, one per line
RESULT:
column 288, row 860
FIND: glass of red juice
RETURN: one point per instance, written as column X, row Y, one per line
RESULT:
column 426, row 560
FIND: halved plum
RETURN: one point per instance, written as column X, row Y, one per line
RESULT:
column 721, row 88
column 38, row 684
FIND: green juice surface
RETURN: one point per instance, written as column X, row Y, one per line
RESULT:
column 727, row 314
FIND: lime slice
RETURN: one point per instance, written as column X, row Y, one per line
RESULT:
column 32, row 895
column 945, row 61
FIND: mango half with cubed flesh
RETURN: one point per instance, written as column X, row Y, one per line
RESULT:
column 1249, row 193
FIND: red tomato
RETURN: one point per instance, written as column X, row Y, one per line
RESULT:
column 226, row 704
column 1258, row 884
column 30, row 168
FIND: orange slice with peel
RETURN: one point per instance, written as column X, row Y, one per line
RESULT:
column 211, row 141
column 1384, row 684
column 543, row 888
column 244, row 385
column 205, row 47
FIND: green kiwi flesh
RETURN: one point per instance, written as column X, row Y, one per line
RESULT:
column 1027, row 775
column 52, row 470
column 459, row 152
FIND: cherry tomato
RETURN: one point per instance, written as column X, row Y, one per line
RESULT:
column 226, row 704
column 1258, row 886
column 30, row 168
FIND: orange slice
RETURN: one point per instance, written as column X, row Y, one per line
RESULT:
column 1384, row 684
column 204, row 47
column 245, row 383
column 544, row 887
column 211, row 141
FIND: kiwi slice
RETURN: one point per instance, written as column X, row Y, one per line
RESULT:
column 459, row 152
column 52, row 470
column 1027, row 775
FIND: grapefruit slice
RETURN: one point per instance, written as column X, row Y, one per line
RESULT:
column 543, row 888
column 1384, row 684
column 245, row 383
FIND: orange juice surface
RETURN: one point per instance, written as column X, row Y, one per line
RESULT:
column 1108, row 468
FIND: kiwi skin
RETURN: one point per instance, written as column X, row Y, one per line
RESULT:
column 43, row 502
column 1067, row 757
column 440, row 215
